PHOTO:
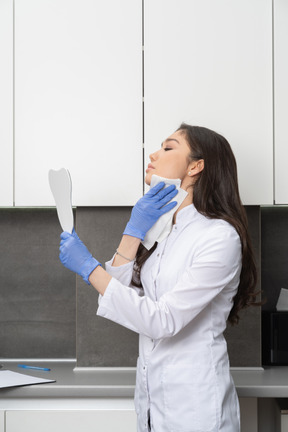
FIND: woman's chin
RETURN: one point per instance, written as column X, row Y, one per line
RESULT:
column 148, row 179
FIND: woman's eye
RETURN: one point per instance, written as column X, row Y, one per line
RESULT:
column 167, row 148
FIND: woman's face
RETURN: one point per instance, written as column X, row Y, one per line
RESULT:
column 171, row 160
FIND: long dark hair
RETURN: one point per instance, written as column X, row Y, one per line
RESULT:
column 216, row 195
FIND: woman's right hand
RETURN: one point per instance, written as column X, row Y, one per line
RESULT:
column 149, row 208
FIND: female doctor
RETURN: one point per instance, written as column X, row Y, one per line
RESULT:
column 179, row 294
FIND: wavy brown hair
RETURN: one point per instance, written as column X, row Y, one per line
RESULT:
column 216, row 195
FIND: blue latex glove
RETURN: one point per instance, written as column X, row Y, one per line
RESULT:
column 75, row 256
column 149, row 208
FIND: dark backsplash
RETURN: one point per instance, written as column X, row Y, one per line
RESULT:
column 37, row 295
column 274, row 236
column 40, row 299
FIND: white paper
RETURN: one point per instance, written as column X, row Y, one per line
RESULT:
column 15, row 379
column 282, row 303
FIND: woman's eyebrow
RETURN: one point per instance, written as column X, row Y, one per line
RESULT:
column 170, row 139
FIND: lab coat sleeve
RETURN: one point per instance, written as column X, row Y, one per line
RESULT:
column 214, row 266
column 123, row 274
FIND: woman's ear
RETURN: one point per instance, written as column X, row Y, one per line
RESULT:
column 196, row 167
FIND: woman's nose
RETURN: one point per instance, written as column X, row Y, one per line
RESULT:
column 153, row 156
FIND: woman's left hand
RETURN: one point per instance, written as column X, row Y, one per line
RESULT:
column 75, row 256
column 149, row 209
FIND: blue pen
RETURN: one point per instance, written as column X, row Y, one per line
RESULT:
column 33, row 367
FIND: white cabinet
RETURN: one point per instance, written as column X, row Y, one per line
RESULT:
column 2, row 421
column 72, row 421
column 284, row 422
column 209, row 63
column 281, row 99
column 6, row 102
column 78, row 99
column 71, row 92
column 104, row 420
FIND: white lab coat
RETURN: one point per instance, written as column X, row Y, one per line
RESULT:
column 183, row 377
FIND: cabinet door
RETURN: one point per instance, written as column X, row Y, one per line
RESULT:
column 78, row 99
column 6, row 103
column 2, row 421
column 248, row 414
column 209, row 63
column 72, row 421
column 281, row 99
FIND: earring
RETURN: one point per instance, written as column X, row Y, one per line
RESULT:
column 189, row 173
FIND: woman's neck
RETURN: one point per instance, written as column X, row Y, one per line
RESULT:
column 187, row 201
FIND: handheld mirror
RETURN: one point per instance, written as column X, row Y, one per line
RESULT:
column 61, row 188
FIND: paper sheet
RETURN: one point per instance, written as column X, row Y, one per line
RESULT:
column 15, row 379
column 282, row 303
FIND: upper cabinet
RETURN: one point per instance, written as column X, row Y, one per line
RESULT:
column 72, row 81
column 6, row 103
column 78, row 99
column 281, row 99
column 209, row 63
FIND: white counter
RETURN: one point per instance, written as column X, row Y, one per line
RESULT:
column 73, row 382
column 105, row 395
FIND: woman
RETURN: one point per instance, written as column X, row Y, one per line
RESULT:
column 184, row 289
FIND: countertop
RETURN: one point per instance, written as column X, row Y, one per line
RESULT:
column 73, row 382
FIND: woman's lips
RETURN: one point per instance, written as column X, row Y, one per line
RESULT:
column 149, row 167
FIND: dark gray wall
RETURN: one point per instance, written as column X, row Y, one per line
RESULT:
column 274, row 235
column 101, row 342
column 244, row 339
column 37, row 295
column 47, row 312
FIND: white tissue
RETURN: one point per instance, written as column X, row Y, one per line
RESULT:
column 161, row 229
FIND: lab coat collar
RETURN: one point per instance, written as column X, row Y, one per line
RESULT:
column 186, row 214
